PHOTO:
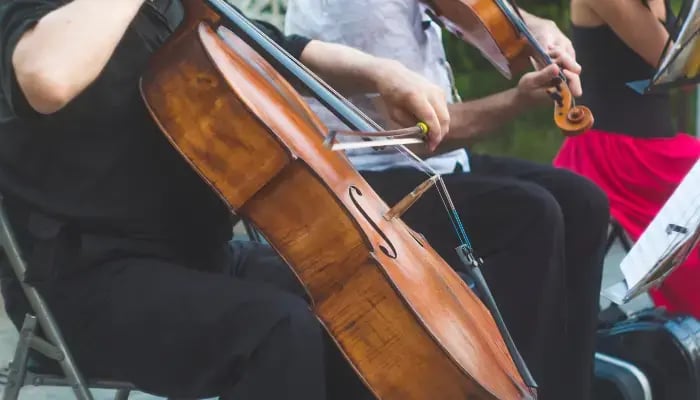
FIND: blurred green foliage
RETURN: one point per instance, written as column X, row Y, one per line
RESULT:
column 533, row 135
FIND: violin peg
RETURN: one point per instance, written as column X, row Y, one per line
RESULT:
column 571, row 119
column 578, row 120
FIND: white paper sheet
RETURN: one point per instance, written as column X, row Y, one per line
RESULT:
column 659, row 239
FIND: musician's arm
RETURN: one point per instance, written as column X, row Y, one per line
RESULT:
column 349, row 70
column 548, row 34
column 52, row 52
column 557, row 45
column 409, row 96
column 346, row 69
column 635, row 24
column 473, row 120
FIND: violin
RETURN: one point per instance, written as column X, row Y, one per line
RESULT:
column 404, row 320
column 497, row 30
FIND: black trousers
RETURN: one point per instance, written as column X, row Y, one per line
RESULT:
column 541, row 232
column 233, row 323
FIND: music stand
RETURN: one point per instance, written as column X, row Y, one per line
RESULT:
column 680, row 62
column 665, row 244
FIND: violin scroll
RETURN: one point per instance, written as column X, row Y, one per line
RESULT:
column 497, row 30
column 572, row 119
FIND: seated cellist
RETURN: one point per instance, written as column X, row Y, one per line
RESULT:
column 125, row 242
column 540, row 230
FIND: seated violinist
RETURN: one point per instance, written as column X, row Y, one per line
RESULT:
column 127, row 244
column 541, row 231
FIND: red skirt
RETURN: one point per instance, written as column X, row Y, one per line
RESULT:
column 639, row 175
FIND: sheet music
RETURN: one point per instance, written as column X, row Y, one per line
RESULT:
column 678, row 57
column 675, row 224
column 680, row 63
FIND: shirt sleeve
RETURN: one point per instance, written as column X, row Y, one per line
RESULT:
column 397, row 22
column 16, row 17
column 294, row 44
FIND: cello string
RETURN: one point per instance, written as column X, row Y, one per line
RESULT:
column 445, row 197
column 284, row 58
column 291, row 66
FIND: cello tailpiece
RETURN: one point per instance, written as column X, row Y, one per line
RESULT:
column 404, row 204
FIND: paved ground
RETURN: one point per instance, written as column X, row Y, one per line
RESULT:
column 8, row 339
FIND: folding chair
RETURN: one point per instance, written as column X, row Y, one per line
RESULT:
column 620, row 380
column 253, row 234
column 21, row 372
column 617, row 232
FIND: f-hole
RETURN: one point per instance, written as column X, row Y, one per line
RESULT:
column 390, row 251
column 417, row 237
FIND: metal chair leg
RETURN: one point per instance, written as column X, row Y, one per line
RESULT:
column 616, row 232
column 629, row 380
column 46, row 321
column 17, row 370
column 252, row 232
column 122, row 394
column 65, row 360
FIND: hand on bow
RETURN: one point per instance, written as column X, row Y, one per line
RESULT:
column 410, row 98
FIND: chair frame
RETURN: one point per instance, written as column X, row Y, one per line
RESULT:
column 629, row 380
column 616, row 232
column 54, row 347
column 18, row 373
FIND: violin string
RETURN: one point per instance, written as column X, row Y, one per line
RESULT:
column 510, row 10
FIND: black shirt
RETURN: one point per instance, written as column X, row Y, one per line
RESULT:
column 101, row 161
column 608, row 65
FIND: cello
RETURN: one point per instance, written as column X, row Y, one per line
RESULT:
column 497, row 30
column 404, row 320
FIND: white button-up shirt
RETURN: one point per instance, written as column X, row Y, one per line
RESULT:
column 396, row 29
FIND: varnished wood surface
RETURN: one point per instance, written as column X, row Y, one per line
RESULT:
column 485, row 26
column 406, row 322
column 482, row 24
column 571, row 120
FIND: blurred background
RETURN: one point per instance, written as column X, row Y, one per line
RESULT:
column 533, row 136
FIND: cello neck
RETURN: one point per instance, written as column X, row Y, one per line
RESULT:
column 291, row 68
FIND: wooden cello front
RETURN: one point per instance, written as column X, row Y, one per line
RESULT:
column 405, row 321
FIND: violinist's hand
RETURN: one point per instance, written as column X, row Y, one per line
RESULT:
column 409, row 98
column 571, row 69
column 559, row 47
column 533, row 85
column 548, row 34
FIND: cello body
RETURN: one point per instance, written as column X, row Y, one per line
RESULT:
column 408, row 325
